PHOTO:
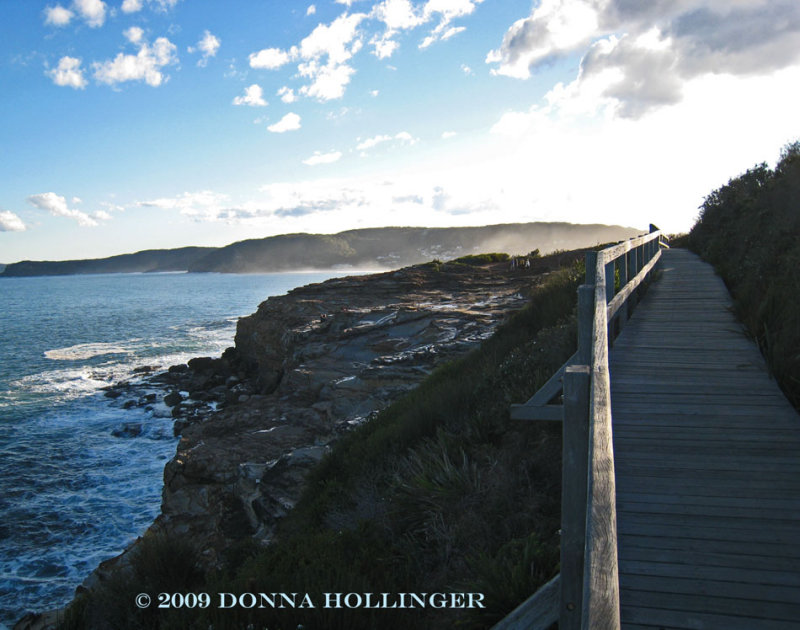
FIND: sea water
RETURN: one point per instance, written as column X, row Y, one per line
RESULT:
column 72, row 494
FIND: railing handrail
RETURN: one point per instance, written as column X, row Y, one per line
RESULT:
column 589, row 578
column 600, row 605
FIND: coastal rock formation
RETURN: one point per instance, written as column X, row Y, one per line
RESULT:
column 307, row 367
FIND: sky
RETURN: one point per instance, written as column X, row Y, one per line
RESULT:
column 140, row 124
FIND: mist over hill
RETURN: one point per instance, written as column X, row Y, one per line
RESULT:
column 373, row 248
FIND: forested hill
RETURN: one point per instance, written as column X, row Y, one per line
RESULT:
column 150, row 260
column 375, row 248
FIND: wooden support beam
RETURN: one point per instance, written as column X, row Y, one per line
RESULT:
column 574, row 475
column 552, row 388
column 538, row 612
column 554, row 413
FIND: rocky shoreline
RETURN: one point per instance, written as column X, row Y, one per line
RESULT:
column 306, row 368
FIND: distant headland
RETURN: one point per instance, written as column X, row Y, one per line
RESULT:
column 372, row 248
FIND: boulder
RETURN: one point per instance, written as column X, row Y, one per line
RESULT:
column 172, row 399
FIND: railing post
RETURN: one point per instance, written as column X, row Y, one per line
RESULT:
column 591, row 268
column 610, row 272
column 639, row 258
column 585, row 322
column 574, row 479
column 610, row 269
column 622, row 314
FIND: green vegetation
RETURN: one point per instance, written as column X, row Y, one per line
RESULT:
column 482, row 259
column 441, row 492
column 157, row 565
column 749, row 230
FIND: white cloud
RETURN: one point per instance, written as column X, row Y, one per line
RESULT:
column 146, row 65
column 92, row 11
column 311, row 10
column 269, row 59
column 290, row 122
column 325, row 53
column 10, row 222
column 372, row 142
column 57, row 206
column 554, row 28
column 448, row 134
column 329, row 81
column 68, row 73
column 396, row 15
column 406, row 138
column 205, row 205
column 323, row 158
column 374, row 93
column 642, row 54
column 446, row 11
column 57, row 16
column 134, row 34
column 403, row 137
column 383, row 47
column 131, row 6
column 287, row 94
column 208, row 45
column 453, row 30
column 393, row 199
column 332, row 40
column 253, row 96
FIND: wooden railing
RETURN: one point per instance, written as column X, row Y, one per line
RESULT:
column 588, row 585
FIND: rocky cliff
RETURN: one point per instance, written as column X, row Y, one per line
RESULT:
column 307, row 367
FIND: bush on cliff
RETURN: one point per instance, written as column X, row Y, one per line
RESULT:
column 482, row 259
column 749, row 230
column 158, row 564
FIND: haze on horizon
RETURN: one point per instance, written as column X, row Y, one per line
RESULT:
column 144, row 124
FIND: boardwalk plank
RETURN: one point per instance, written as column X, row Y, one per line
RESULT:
column 690, row 620
column 707, row 460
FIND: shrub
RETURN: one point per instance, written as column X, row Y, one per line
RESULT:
column 482, row 259
column 749, row 230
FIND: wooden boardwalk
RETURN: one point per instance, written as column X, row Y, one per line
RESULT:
column 707, row 460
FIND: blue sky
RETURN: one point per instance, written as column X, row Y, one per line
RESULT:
column 138, row 124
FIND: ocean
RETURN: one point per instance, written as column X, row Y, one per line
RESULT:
column 75, row 488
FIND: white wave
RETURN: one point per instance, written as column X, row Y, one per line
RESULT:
column 84, row 351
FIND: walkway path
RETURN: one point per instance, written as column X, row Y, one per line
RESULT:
column 707, row 456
